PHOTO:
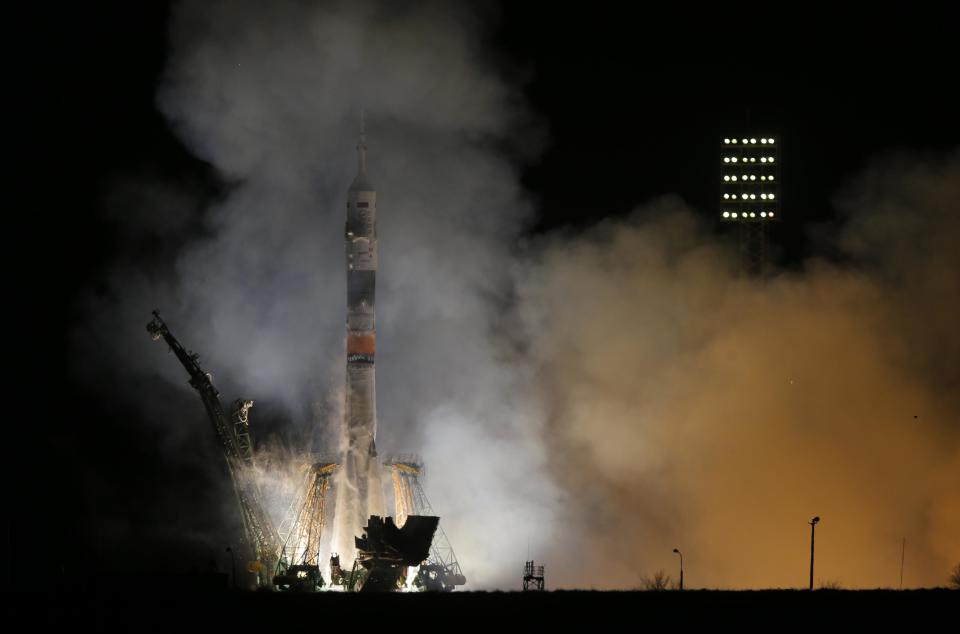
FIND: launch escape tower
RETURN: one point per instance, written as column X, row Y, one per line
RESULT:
column 532, row 576
column 750, row 195
column 234, row 438
column 441, row 571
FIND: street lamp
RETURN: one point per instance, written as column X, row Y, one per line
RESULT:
column 677, row 550
column 813, row 527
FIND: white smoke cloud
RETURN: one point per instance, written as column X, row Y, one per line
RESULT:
column 594, row 402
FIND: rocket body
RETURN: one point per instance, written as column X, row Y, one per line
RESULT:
column 360, row 490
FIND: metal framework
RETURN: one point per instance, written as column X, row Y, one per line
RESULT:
column 303, row 525
column 532, row 576
column 750, row 195
column 442, row 569
column 234, row 438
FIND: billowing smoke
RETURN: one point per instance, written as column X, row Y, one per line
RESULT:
column 594, row 401
column 271, row 98
column 694, row 409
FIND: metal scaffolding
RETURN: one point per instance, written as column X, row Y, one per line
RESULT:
column 442, row 570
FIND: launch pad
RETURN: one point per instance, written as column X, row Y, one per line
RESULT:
column 286, row 555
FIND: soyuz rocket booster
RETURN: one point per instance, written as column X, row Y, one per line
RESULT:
column 360, row 493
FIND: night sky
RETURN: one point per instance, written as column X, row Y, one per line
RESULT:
column 625, row 107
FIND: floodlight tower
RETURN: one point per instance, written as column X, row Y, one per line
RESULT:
column 750, row 195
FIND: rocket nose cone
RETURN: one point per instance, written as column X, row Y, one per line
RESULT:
column 361, row 184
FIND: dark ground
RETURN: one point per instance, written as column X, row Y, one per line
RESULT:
column 134, row 604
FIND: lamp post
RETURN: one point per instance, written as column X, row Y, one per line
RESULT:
column 813, row 527
column 677, row 550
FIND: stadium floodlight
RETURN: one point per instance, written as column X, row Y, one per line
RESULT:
column 740, row 205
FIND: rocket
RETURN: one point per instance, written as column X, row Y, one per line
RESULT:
column 360, row 490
